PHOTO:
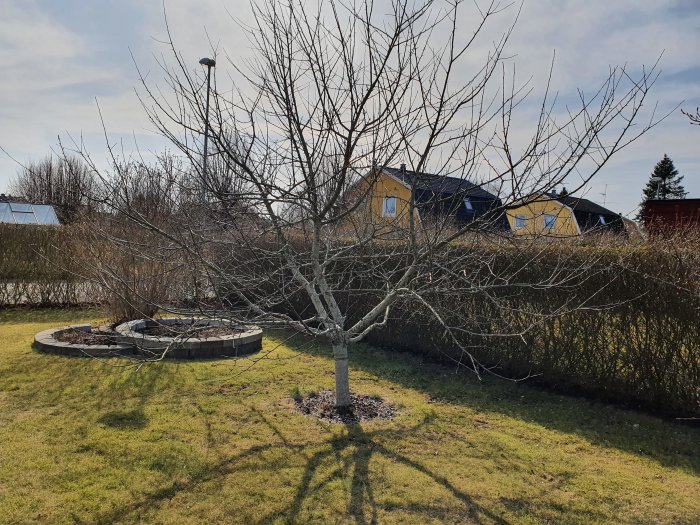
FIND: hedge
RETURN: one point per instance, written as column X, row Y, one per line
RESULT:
column 632, row 335
column 36, row 271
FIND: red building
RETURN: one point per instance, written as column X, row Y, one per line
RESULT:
column 671, row 214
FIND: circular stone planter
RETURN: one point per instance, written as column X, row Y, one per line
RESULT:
column 247, row 341
column 46, row 342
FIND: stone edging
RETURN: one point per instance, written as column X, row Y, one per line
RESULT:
column 234, row 345
column 46, row 342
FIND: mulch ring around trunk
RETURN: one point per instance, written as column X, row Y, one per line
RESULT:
column 79, row 337
column 321, row 404
column 190, row 331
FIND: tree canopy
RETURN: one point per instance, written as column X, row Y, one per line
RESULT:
column 65, row 181
column 664, row 183
column 333, row 93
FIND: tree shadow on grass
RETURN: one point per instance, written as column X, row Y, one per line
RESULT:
column 362, row 505
column 119, row 394
column 352, row 451
column 670, row 443
column 124, row 419
column 355, row 448
column 128, row 392
column 152, row 499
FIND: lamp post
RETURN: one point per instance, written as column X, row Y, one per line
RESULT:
column 208, row 63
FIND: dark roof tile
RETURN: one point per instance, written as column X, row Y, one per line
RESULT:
column 439, row 183
column 584, row 205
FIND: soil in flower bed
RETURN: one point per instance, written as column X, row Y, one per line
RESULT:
column 189, row 331
column 78, row 337
column 322, row 405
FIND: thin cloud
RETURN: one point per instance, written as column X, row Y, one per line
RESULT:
column 56, row 61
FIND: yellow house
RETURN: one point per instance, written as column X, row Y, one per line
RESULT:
column 562, row 215
column 387, row 198
column 543, row 215
column 387, row 194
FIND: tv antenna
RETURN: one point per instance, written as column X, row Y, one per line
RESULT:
column 605, row 195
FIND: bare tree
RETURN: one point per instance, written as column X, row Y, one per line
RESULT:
column 694, row 118
column 335, row 92
column 65, row 181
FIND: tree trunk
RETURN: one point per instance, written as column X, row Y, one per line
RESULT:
column 342, row 379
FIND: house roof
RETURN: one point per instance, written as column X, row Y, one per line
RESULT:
column 438, row 183
column 584, row 205
column 676, row 201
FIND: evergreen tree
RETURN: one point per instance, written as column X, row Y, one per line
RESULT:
column 667, row 187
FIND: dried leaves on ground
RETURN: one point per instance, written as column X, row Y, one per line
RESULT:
column 321, row 404
column 187, row 330
column 79, row 337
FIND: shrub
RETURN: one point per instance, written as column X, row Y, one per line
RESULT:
column 38, row 267
column 632, row 333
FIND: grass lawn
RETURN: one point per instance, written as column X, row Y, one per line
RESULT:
column 92, row 441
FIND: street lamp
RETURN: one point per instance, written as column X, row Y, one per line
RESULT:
column 208, row 63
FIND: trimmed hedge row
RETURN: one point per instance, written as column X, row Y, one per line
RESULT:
column 632, row 333
column 67, row 265
column 35, row 271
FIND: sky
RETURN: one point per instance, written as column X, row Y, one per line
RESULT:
column 69, row 72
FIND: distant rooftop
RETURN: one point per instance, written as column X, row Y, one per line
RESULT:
column 438, row 183
column 17, row 211
column 584, row 205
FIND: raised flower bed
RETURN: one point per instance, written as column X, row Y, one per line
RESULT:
column 83, row 340
column 190, row 338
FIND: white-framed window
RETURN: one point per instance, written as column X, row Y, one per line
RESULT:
column 550, row 221
column 601, row 218
column 389, row 207
column 519, row 222
column 468, row 204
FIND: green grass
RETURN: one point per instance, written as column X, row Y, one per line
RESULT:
column 92, row 441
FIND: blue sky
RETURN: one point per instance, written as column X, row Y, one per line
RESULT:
column 59, row 57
